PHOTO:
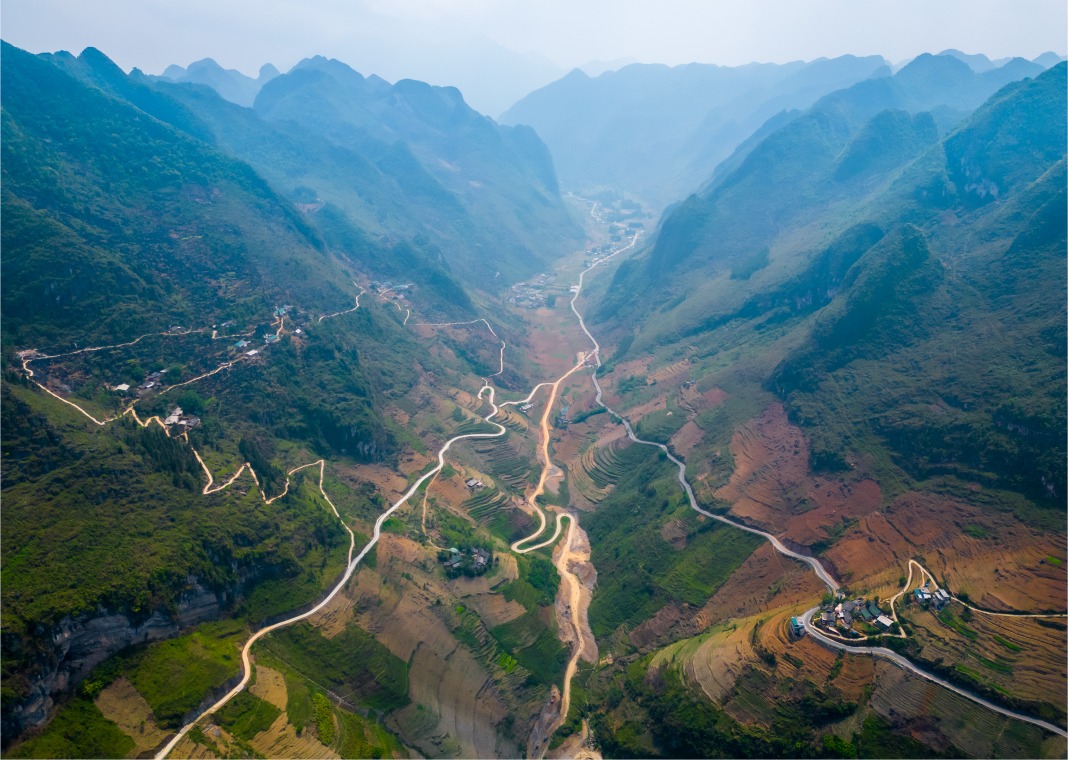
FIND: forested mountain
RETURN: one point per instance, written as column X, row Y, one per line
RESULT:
column 855, row 248
column 115, row 221
column 491, row 190
column 130, row 230
column 408, row 166
column 320, row 337
column 845, row 148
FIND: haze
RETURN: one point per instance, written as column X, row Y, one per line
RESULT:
column 496, row 52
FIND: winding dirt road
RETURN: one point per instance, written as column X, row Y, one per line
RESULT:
column 821, row 572
column 349, row 570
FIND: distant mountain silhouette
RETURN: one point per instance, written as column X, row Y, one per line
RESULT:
column 230, row 83
column 658, row 131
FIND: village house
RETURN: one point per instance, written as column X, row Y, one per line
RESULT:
column 474, row 484
column 179, row 418
column 796, row 627
column 884, row 621
column 121, row 387
column 941, row 598
column 174, row 416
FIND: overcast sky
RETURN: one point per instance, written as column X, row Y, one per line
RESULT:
column 525, row 40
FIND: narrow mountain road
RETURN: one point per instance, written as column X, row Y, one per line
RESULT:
column 470, row 322
column 578, row 606
column 353, row 563
column 904, row 662
column 812, row 562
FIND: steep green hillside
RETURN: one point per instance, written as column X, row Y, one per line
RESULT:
column 491, row 190
column 115, row 222
column 843, row 150
column 882, row 282
column 292, row 159
column 197, row 286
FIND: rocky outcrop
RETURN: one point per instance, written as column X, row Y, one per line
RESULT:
column 79, row 644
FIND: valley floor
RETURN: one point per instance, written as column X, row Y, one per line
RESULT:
column 548, row 554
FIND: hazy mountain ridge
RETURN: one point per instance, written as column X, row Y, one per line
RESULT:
column 493, row 170
column 799, row 167
column 658, row 131
column 230, row 83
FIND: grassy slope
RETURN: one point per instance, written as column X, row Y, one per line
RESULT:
column 639, row 572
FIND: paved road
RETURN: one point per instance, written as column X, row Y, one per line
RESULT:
column 353, row 563
column 812, row 562
column 904, row 662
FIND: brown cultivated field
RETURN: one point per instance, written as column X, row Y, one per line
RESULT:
column 1018, row 655
column 771, row 486
column 123, row 704
column 461, row 702
column 933, row 715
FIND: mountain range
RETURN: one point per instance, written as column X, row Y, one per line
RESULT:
column 243, row 322
column 658, row 132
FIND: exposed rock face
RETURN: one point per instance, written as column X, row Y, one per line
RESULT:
column 80, row 644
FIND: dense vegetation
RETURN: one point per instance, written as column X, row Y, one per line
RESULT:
column 123, row 217
column 116, row 223
column 413, row 162
column 353, row 665
column 914, row 327
column 79, row 730
column 638, row 570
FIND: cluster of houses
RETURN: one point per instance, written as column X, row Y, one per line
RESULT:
column 476, row 561
column 527, row 297
column 939, row 598
column 562, row 419
column 153, row 380
column 179, row 419
column 531, row 295
column 847, row 612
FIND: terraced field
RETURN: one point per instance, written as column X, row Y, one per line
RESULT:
column 1021, row 657
column 978, row 732
column 668, row 372
column 485, row 504
column 467, row 627
column 508, row 463
column 601, row 466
